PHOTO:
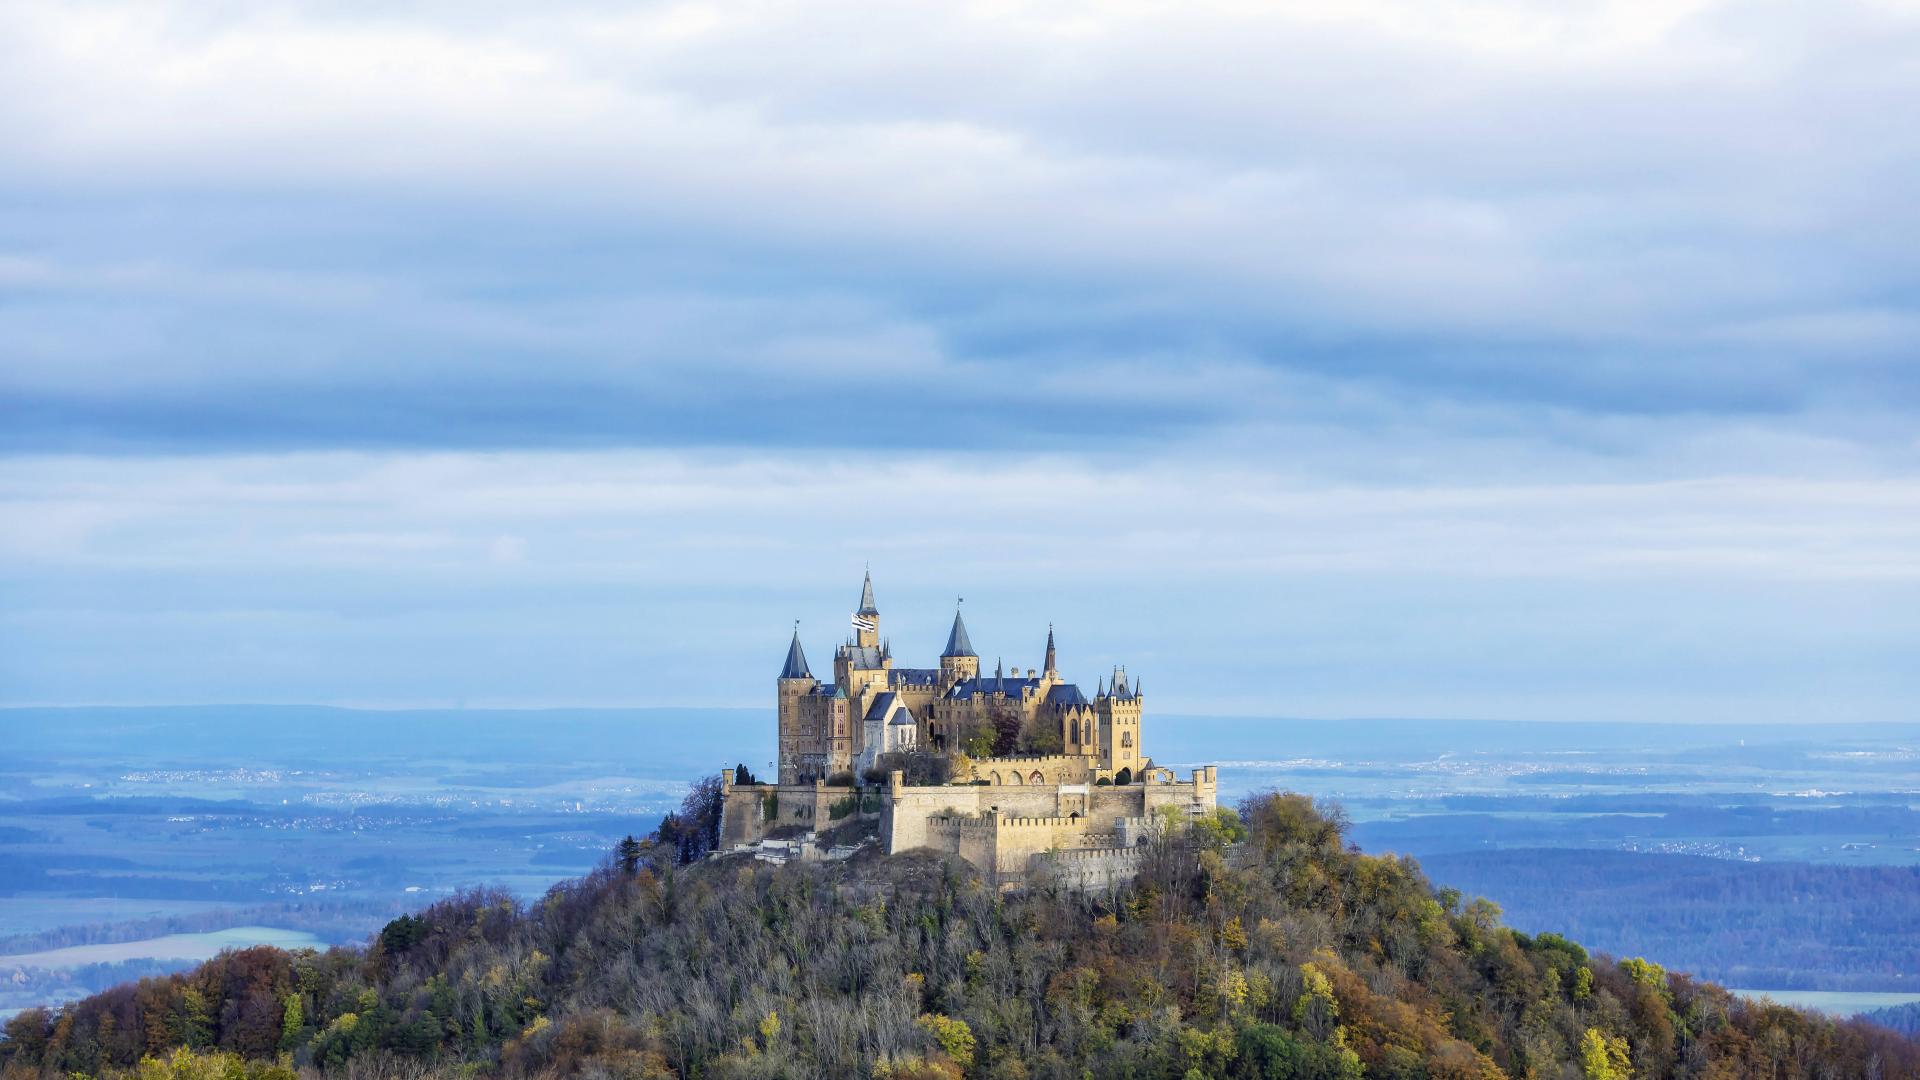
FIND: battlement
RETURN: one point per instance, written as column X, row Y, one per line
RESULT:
column 964, row 821
column 1026, row 770
column 1039, row 822
column 1090, row 854
column 989, row 820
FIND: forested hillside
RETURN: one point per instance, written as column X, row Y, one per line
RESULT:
column 1785, row 926
column 1898, row 1017
column 1289, row 955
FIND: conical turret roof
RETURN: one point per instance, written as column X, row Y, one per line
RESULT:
column 796, row 666
column 866, row 597
column 957, row 643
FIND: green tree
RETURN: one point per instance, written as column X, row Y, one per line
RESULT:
column 1604, row 1056
column 628, row 853
column 954, row 1037
column 1645, row 973
column 1317, row 1011
column 977, row 742
column 1220, row 829
column 198, row 1026
column 292, row 1019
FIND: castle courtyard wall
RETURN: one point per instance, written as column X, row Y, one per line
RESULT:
column 1086, row 870
column 1038, row 769
column 1012, row 832
column 744, row 817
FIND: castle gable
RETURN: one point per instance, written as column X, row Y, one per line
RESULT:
column 914, row 678
column 1066, row 695
column 988, row 685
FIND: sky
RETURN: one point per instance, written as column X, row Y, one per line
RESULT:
column 1427, row 359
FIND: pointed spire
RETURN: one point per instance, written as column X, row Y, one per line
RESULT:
column 866, row 597
column 957, row 643
column 1049, row 669
column 796, row 666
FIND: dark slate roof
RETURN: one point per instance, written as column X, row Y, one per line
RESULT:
column 1066, row 694
column 992, row 684
column 903, row 717
column 866, row 597
column 913, row 677
column 864, row 656
column 827, row 690
column 796, row 666
column 957, row 643
column 882, row 705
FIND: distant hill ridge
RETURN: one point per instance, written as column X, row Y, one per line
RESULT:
column 1286, row 955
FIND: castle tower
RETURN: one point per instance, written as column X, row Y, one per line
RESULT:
column 958, row 662
column 1050, row 671
column 796, row 681
column 1119, row 708
column 866, row 621
column 795, row 677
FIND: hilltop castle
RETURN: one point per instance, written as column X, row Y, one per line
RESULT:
column 1075, row 804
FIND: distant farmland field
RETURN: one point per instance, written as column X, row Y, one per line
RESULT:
column 170, row 947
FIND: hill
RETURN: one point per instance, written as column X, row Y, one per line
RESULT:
column 1286, row 955
column 1786, row 926
column 1898, row 1017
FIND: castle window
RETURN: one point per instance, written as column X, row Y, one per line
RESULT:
column 1126, row 740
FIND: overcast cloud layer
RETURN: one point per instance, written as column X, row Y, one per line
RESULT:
column 1427, row 358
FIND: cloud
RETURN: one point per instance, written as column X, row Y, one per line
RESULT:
column 607, row 576
column 1420, row 356
column 652, row 517
column 478, row 226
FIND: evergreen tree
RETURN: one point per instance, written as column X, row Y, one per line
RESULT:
column 628, row 854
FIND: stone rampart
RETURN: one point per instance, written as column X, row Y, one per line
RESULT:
column 751, row 811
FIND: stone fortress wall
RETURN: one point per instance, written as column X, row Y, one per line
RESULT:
column 749, row 812
column 1006, row 829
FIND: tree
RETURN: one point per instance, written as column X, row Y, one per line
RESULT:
column 1042, row 737
column 1123, row 777
column 628, row 853
column 695, row 830
column 1220, row 829
column 1317, row 1010
column 954, row 1036
column 292, row 1019
column 921, row 768
column 1604, row 1056
column 976, row 739
column 741, row 776
column 1005, row 722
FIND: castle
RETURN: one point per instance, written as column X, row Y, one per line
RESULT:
column 1074, row 804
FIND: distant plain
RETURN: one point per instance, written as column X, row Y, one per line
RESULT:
column 120, row 828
